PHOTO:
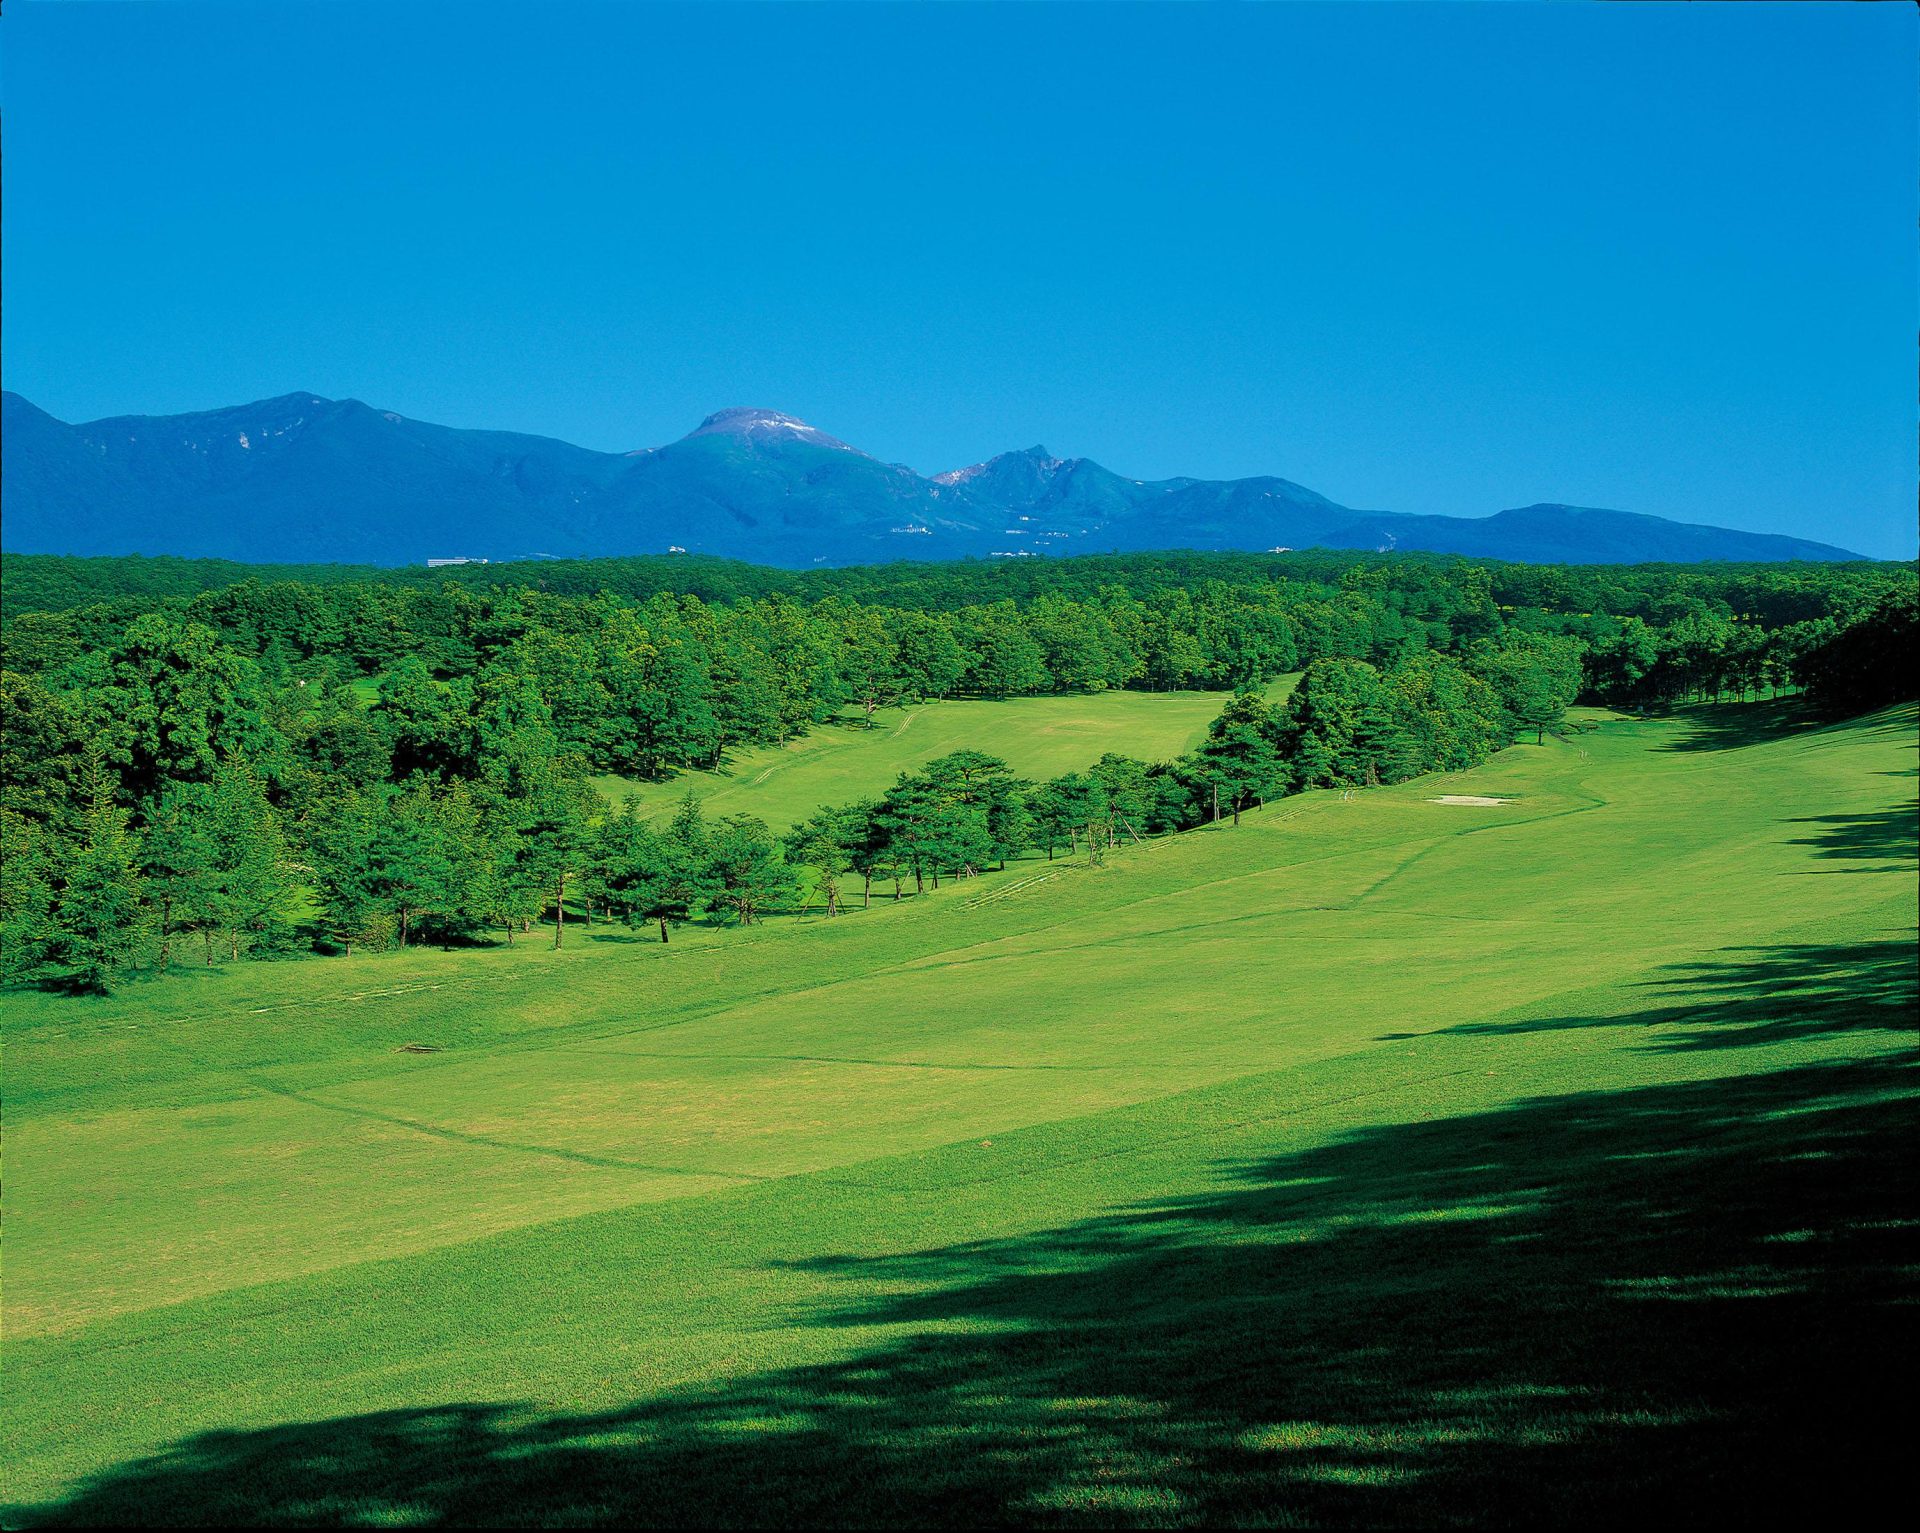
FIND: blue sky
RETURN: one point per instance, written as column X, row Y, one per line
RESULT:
column 1438, row 258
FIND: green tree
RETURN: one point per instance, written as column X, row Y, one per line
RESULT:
column 177, row 865
column 911, row 815
column 248, row 886
column 1050, row 811
column 1240, row 755
column 635, row 864
column 750, row 872
column 88, row 936
column 1128, row 786
column 1005, row 661
column 932, row 661
column 827, row 842
column 869, row 664
column 27, row 889
column 169, row 703
column 551, row 824
column 1319, row 730
column 348, row 872
column 1537, row 676
column 688, row 881
column 1087, row 810
column 416, row 869
column 985, row 785
column 43, row 754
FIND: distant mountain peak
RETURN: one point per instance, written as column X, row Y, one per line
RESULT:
column 765, row 425
column 1034, row 460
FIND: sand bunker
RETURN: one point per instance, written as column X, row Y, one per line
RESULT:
column 1467, row 798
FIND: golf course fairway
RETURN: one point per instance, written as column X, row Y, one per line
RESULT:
column 1374, row 1158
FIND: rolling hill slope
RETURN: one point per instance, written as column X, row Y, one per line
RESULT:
column 1381, row 1160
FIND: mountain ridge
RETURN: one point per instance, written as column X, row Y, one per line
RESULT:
column 304, row 478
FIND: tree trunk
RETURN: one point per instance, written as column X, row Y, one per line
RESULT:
column 508, row 923
column 866, row 890
column 166, row 931
column 663, row 929
column 1216, row 803
column 560, row 911
column 403, row 926
column 233, row 942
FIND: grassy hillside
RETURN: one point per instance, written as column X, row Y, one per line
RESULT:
column 1039, row 737
column 1380, row 1160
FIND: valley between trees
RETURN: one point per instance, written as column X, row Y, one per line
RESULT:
column 273, row 767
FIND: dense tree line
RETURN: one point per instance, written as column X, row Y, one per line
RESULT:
column 1769, row 594
column 260, row 764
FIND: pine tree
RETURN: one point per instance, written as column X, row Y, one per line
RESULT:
column 177, row 862
column 1240, row 753
column 250, row 887
column 27, row 896
column 826, row 842
column 94, row 920
column 750, row 873
column 689, row 881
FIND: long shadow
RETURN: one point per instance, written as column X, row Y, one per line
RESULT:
column 1687, row 1303
column 1761, row 995
column 1729, row 726
column 1880, row 836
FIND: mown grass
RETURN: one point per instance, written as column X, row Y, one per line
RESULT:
column 1040, row 737
column 1380, row 1161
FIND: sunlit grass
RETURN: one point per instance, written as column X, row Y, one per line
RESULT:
column 1040, row 737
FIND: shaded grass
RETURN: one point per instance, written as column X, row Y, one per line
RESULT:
column 1572, row 1307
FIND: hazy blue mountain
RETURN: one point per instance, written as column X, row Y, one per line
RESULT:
column 306, row 479
column 297, row 477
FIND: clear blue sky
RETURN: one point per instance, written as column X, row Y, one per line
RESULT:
column 1444, row 258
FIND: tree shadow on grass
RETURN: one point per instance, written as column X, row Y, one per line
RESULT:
column 1730, row 726
column 1762, row 995
column 1681, row 1303
column 1881, row 836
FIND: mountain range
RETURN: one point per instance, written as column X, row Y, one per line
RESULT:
column 311, row 480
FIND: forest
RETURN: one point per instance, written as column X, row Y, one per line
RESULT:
column 208, row 763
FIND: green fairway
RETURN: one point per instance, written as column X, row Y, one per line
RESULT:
column 1380, row 1160
column 1039, row 737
